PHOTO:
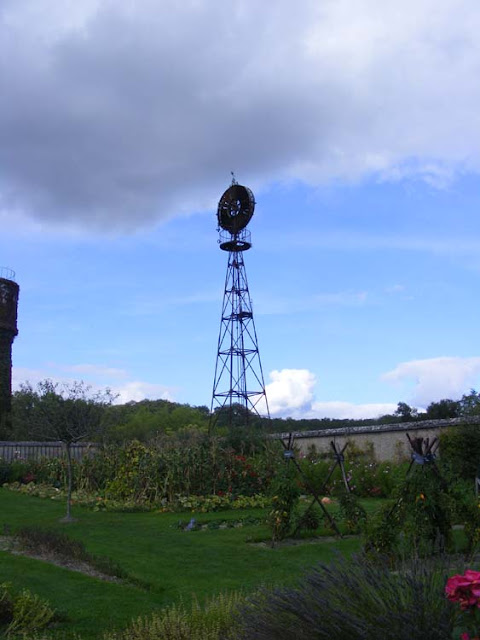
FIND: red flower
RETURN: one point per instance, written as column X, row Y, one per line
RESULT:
column 464, row 589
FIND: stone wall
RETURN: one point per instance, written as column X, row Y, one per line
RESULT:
column 389, row 441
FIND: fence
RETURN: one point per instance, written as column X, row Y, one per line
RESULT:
column 35, row 450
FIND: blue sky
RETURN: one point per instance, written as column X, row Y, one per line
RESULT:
column 355, row 124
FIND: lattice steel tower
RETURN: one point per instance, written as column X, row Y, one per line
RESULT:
column 8, row 330
column 238, row 382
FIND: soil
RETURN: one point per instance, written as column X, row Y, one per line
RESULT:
column 9, row 544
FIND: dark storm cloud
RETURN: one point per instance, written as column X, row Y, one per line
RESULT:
column 117, row 114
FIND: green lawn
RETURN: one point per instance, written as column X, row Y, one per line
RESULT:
column 176, row 564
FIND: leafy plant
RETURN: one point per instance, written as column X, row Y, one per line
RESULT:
column 13, row 471
column 420, row 520
column 352, row 512
column 285, row 495
column 310, row 520
column 202, row 504
column 216, row 620
column 30, row 614
column 23, row 613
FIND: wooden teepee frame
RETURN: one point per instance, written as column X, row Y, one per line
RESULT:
column 422, row 453
column 289, row 455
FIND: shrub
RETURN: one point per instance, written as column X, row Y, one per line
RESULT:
column 215, row 620
column 466, row 509
column 30, row 614
column 24, row 613
column 6, row 605
column 356, row 598
column 14, row 471
column 420, row 520
column 460, row 448
column 283, row 515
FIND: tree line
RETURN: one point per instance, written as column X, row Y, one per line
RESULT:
column 42, row 412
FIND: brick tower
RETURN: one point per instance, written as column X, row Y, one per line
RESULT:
column 9, row 290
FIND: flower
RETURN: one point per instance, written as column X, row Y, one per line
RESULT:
column 464, row 589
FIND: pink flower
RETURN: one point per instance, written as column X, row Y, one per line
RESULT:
column 464, row 589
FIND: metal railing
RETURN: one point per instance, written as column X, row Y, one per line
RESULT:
column 7, row 274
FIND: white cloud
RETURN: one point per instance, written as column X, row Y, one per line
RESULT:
column 349, row 410
column 291, row 391
column 436, row 378
column 116, row 114
column 98, row 378
column 291, row 394
column 22, row 375
column 136, row 391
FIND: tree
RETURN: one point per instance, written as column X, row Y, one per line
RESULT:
column 443, row 409
column 470, row 404
column 405, row 412
column 67, row 413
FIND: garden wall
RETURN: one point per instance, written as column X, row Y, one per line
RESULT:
column 389, row 441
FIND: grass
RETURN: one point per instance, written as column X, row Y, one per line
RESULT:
column 148, row 546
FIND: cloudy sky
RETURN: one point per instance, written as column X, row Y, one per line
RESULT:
column 355, row 122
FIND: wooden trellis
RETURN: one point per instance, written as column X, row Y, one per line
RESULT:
column 423, row 452
column 289, row 455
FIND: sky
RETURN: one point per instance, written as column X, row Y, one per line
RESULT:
column 355, row 123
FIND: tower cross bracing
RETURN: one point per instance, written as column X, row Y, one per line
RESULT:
column 239, row 377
